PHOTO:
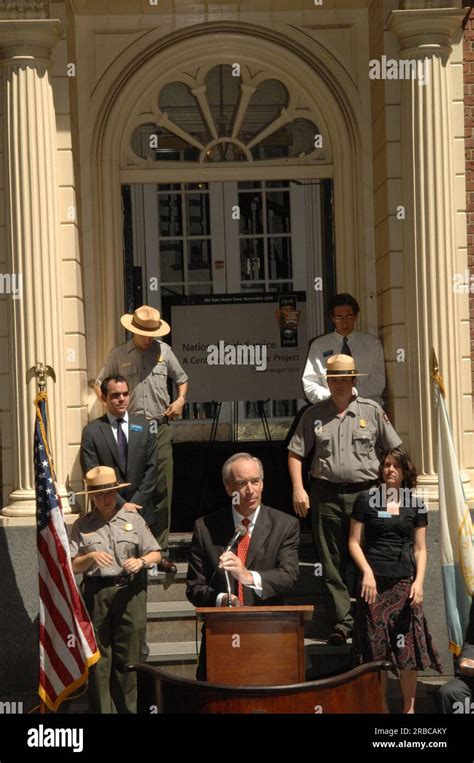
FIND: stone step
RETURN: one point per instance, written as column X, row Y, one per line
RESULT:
column 169, row 629
column 165, row 610
column 154, row 574
column 167, row 652
column 168, row 587
column 170, row 621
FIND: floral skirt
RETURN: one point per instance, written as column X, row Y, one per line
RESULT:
column 391, row 630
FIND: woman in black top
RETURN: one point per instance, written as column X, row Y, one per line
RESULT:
column 388, row 544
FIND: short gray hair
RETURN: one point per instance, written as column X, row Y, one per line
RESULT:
column 226, row 469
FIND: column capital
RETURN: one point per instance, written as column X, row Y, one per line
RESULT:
column 427, row 32
column 26, row 9
column 24, row 40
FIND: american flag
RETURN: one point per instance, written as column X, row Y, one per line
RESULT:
column 67, row 642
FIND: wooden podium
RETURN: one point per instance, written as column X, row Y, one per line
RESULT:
column 255, row 646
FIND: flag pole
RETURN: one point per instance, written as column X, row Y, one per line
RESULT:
column 64, row 662
column 457, row 556
column 40, row 371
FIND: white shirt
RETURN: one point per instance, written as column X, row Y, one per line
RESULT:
column 113, row 423
column 368, row 357
column 257, row 579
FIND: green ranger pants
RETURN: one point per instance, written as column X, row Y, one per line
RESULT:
column 119, row 619
column 157, row 514
column 330, row 519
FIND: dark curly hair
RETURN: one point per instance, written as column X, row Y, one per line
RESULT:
column 401, row 457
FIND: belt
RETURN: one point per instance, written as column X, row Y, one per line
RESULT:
column 96, row 582
column 345, row 487
column 161, row 420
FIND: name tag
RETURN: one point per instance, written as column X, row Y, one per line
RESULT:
column 136, row 428
column 126, row 365
column 328, row 353
column 383, row 514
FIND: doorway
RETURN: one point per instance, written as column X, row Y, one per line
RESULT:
column 188, row 239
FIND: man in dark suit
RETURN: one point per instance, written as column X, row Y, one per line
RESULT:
column 457, row 696
column 264, row 566
column 125, row 443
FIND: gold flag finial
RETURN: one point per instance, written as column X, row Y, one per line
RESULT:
column 41, row 372
column 435, row 374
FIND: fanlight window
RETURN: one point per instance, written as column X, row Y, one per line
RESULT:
column 228, row 119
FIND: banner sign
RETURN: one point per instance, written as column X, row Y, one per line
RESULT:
column 241, row 346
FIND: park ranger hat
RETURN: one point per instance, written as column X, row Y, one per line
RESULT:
column 102, row 479
column 341, row 365
column 145, row 321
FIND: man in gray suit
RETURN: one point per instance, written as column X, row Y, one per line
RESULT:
column 125, row 443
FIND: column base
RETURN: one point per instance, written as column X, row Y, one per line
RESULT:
column 22, row 503
column 428, row 489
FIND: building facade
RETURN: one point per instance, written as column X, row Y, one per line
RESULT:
column 131, row 130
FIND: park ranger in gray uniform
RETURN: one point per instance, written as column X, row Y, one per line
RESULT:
column 147, row 364
column 112, row 547
column 349, row 434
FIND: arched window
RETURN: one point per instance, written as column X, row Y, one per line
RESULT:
column 229, row 114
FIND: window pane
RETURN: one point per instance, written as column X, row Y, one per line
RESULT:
column 251, row 259
column 249, row 184
column 257, row 286
column 223, row 94
column 281, row 288
column 277, row 184
column 199, row 261
column 171, row 261
column 251, row 215
column 199, row 289
column 170, row 214
column 182, row 108
column 225, row 152
column 279, row 258
column 265, row 106
column 152, row 142
column 197, row 205
column 302, row 133
column 278, row 212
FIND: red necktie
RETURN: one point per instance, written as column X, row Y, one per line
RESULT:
column 242, row 550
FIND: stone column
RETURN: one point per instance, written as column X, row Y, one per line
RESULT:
column 32, row 229
column 428, row 195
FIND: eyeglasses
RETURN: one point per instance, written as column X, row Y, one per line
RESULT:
column 340, row 318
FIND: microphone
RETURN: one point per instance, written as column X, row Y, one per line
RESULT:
column 239, row 533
